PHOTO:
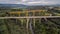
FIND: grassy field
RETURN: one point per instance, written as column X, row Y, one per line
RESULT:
column 18, row 26
column 24, row 26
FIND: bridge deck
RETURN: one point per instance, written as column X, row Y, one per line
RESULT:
column 32, row 17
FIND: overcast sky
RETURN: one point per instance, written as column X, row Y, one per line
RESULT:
column 30, row 2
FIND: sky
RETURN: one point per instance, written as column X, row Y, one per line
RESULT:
column 30, row 2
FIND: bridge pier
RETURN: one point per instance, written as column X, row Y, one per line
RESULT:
column 34, row 22
column 27, row 25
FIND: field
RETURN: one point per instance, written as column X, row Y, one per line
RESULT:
column 29, row 12
column 19, row 26
column 29, row 25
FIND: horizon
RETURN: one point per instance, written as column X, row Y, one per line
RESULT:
column 31, row 2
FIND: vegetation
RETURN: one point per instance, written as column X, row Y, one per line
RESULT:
column 18, row 26
column 29, row 26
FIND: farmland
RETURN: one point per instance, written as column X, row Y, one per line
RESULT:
column 29, row 25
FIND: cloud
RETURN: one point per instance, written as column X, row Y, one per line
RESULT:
column 24, row 0
column 40, row 2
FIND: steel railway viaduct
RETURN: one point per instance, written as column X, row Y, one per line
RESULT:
column 31, row 17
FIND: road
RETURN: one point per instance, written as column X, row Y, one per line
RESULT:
column 31, row 17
